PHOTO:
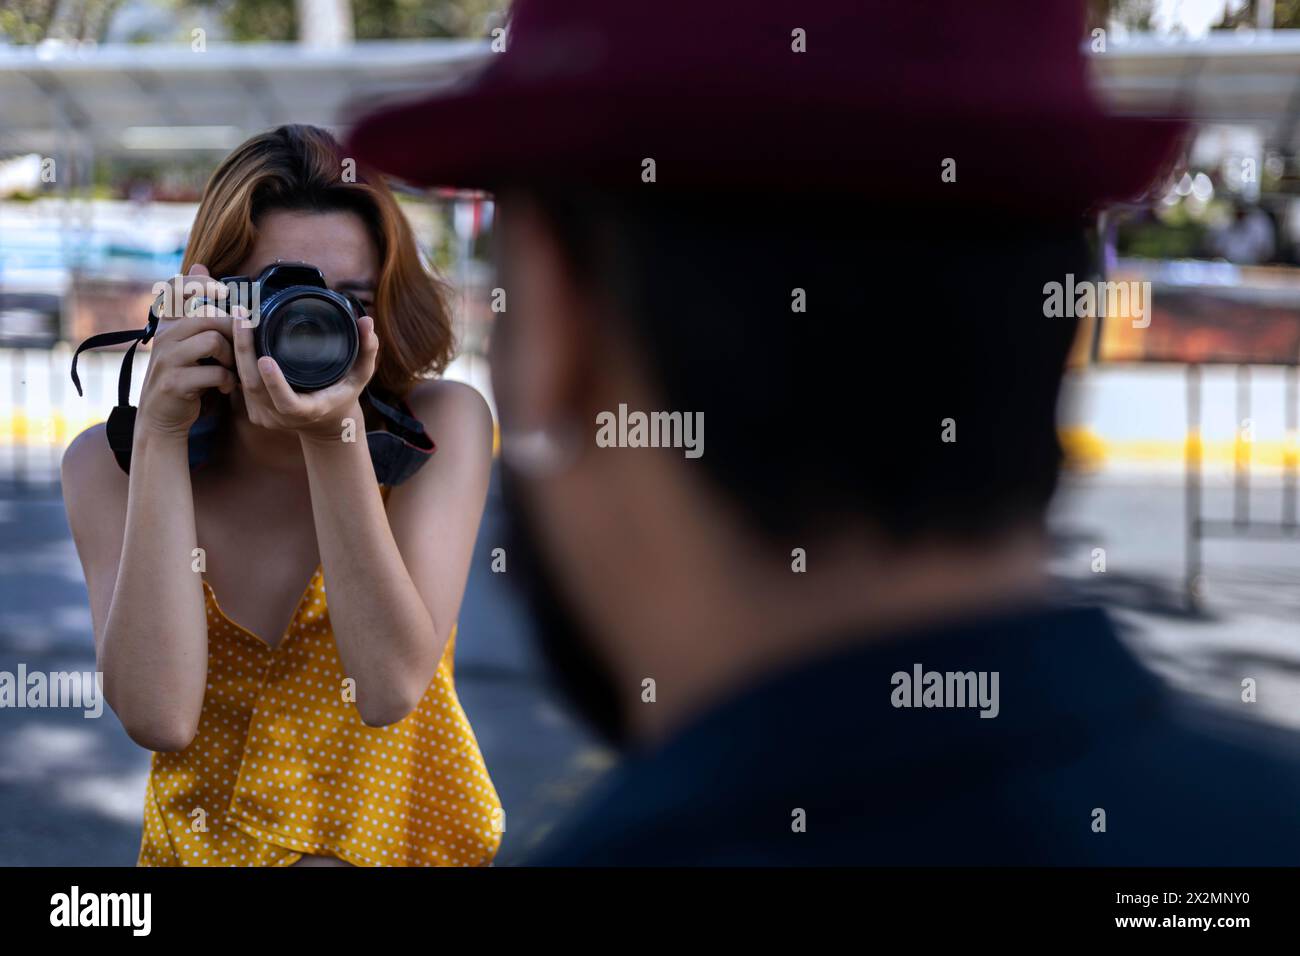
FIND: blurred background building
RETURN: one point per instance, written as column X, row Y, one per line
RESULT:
column 115, row 113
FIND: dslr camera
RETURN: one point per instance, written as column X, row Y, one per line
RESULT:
column 309, row 329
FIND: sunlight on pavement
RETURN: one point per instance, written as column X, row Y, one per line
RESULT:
column 118, row 797
column 37, row 750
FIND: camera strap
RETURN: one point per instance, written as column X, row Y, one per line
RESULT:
column 397, row 451
column 401, row 448
column 120, row 428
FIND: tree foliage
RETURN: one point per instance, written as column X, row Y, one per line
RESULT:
column 31, row 21
column 1136, row 15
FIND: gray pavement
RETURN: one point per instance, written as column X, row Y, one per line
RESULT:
column 71, row 788
column 1248, row 621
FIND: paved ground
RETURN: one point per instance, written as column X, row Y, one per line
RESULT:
column 1248, row 624
column 70, row 788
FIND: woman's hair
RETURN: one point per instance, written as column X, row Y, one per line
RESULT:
column 302, row 169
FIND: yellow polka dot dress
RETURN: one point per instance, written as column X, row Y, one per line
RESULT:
column 283, row 766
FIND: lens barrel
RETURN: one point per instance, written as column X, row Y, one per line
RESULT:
column 311, row 333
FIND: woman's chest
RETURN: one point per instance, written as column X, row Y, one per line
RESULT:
column 259, row 567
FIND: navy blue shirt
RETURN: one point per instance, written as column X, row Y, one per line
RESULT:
column 1084, row 736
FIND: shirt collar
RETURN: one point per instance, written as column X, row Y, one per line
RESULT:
column 1064, row 682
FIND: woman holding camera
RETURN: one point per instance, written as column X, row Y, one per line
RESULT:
column 288, row 728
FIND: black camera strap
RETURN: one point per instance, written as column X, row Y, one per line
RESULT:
column 397, row 451
column 120, row 428
column 402, row 447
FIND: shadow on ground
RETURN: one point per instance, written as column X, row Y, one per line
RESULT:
column 71, row 788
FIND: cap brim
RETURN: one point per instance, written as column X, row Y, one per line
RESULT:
column 493, row 133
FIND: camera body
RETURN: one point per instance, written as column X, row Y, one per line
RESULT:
column 309, row 329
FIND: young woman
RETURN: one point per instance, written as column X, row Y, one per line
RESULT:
column 290, row 728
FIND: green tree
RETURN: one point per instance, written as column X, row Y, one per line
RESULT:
column 31, row 21
column 1136, row 14
column 1286, row 16
column 276, row 20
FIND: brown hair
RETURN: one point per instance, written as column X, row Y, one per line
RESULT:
column 301, row 168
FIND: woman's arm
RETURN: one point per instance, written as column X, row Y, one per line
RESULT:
column 396, row 579
column 154, row 651
column 136, row 539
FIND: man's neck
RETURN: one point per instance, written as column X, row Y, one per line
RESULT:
column 713, row 627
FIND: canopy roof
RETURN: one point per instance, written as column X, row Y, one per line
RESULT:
column 1240, row 78
column 131, row 97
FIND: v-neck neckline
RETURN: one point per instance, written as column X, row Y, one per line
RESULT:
column 284, row 634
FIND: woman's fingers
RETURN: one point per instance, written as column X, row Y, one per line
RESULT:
column 282, row 395
column 263, row 381
column 199, row 286
column 176, row 330
column 183, row 295
column 367, row 355
column 192, row 381
column 333, row 396
column 363, row 369
column 191, row 305
column 210, row 343
column 246, row 357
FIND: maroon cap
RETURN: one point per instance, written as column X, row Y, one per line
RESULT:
column 859, row 97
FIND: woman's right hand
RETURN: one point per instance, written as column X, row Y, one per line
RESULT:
column 177, row 377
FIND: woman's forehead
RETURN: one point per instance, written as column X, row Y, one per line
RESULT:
column 336, row 242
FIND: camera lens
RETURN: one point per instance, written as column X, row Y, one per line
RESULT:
column 311, row 336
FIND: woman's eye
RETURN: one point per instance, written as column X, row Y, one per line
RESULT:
column 364, row 302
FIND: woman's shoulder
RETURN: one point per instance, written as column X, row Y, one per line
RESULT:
column 88, row 463
column 451, row 410
column 94, row 492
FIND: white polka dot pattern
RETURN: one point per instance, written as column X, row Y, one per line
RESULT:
column 282, row 765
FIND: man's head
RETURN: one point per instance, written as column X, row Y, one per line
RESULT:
column 818, row 233
column 877, row 391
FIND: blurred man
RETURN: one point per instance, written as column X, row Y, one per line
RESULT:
column 1247, row 238
column 778, row 398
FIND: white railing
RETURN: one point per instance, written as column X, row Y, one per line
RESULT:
column 41, row 412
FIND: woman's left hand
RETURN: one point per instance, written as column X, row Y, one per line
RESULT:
column 272, row 403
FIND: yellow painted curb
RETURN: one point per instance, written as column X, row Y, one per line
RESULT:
column 1085, row 450
column 57, row 430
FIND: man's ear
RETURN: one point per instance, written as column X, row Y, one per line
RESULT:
column 543, row 340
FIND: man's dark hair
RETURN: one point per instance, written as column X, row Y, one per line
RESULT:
column 836, row 415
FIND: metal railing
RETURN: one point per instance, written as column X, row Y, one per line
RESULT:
column 41, row 412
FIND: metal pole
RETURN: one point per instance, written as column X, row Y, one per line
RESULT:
column 1192, row 491
column 1289, row 453
column 21, row 419
column 1241, row 448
